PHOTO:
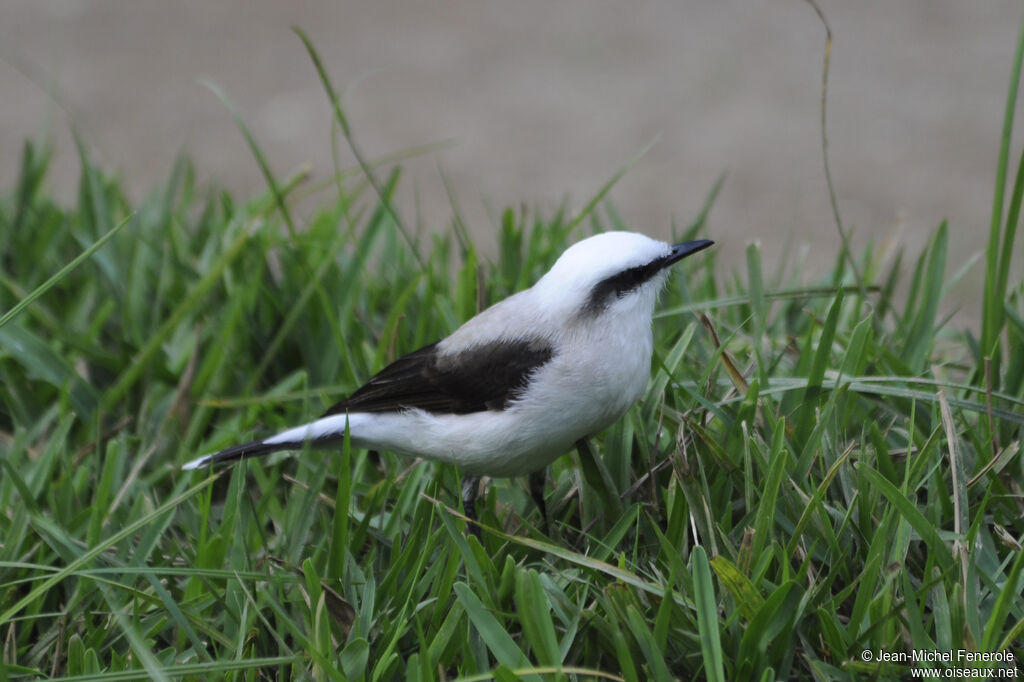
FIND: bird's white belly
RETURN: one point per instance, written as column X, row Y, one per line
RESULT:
column 485, row 443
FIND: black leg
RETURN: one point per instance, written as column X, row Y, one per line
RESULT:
column 470, row 489
column 537, row 481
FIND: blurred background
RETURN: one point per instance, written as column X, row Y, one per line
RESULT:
column 537, row 102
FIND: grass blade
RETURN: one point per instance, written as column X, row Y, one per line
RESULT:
column 63, row 272
column 707, row 617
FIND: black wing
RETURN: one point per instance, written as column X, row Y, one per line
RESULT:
column 485, row 377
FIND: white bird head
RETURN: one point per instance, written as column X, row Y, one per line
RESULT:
column 612, row 270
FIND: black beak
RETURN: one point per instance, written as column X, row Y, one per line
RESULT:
column 681, row 251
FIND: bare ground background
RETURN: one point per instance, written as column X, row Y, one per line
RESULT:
column 540, row 100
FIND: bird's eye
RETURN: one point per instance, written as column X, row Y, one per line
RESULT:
column 620, row 284
column 627, row 280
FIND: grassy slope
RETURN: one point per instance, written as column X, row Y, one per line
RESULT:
column 841, row 474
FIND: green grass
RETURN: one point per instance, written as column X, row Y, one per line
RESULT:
column 817, row 469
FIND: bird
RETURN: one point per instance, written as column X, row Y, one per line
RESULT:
column 518, row 384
